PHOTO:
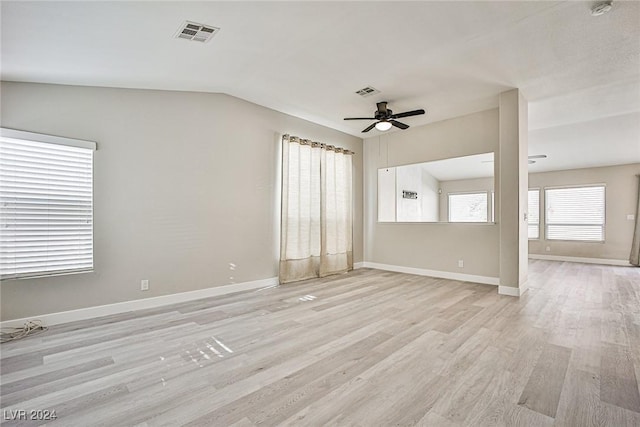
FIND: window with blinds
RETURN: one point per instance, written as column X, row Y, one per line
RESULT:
column 575, row 213
column 534, row 214
column 46, row 205
column 468, row 207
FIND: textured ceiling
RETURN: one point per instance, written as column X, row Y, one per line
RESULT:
column 580, row 73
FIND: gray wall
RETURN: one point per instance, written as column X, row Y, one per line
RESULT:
column 621, row 194
column 185, row 184
column 435, row 246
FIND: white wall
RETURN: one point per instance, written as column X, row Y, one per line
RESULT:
column 432, row 246
column 429, row 196
column 620, row 194
column 185, row 184
column 387, row 191
column 392, row 206
column 408, row 179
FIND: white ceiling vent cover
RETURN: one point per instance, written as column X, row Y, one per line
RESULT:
column 367, row 91
column 196, row 32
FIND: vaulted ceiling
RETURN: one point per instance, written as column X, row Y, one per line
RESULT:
column 580, row 73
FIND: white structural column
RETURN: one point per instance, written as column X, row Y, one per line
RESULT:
column 513, row 183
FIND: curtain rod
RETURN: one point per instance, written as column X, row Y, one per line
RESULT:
column 303, row 141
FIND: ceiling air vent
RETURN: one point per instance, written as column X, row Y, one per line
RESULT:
column 367, row 91
column 196, row 32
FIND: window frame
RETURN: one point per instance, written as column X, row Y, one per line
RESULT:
column 539, row 190
column 604, row 213
column 13, row 135
column 458, row 193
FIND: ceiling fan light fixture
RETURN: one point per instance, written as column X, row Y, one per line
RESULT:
column 386, row 119
column 383, row 126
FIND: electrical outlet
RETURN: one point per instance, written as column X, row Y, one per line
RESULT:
column 631, row 217
column 548, row 249
column 460, row 263
column 144, row 285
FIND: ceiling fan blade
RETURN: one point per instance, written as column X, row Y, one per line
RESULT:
column 367, row 129
column 382, row 107
column 407, row 114
column 398, row 124
column 538, row 156
column 359, row 118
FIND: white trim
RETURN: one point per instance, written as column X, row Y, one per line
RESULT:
column 555, row 187
column 510, row 291
column 140, row 304
column 514, row 291
column 357, row 265
column 620, row 262
column 487, row 280
column 50, row 139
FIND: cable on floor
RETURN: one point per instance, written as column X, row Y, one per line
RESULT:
column 30, row 327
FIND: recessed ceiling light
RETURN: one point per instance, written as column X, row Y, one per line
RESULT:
column 601, row 8
column 196, row 32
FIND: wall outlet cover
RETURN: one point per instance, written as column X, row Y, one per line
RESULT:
column 144, row 285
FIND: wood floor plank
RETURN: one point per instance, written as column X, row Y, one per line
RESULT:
column 392, row 387
column 542, row 392
column 580, row 401
column 282, row 408
column 20, row 390
column 19, row 362
column 383, row 391
column 370, row 348
column 468, row 393
column 618, row 382
column 253, row 403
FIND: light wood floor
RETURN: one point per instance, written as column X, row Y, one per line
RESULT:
column 369, row 348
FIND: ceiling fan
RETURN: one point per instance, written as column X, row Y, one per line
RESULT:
column 385, row 118
column 536, row 156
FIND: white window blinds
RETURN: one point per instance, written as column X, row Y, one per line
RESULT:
column 534, row 214
column 46, row 205
column 468, row 207
column 575, row 213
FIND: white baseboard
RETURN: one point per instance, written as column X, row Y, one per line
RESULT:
column 509, row 290
column 620, row 262
column 514, row 291
column 357, row 265
column 487, row 280
column 139, row 304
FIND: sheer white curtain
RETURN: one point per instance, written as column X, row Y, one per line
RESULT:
column 634, row 258
column 317, row 224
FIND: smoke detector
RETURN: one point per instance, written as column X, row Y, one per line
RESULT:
column 196, row 32
column 601, row 8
